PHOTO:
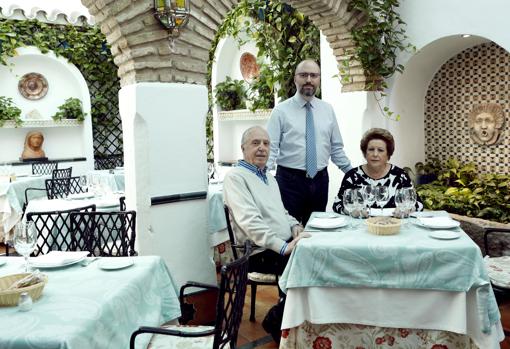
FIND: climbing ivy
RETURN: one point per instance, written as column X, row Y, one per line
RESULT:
column 283, row 37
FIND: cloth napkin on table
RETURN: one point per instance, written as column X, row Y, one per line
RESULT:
column 436, row 222
column 56, row 258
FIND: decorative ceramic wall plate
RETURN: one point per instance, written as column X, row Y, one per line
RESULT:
column 249, row 67
column 33, row 86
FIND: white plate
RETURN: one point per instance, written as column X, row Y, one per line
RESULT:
column 106, row 204
column 326, row 215
column 438, row 223
column 80, row 196
column 327, row 223
column 43, row 265
column 36, row 175
column 115, row 263
column 445, row 234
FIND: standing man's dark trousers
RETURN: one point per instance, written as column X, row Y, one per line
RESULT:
column 302, row 195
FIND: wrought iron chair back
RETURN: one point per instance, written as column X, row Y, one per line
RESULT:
column 61, row 173
column 59, row 188
column 54, row 230
column 44, row 168
column 261, row 279
column 122, row 203
column 105, row 233
column 229, row 306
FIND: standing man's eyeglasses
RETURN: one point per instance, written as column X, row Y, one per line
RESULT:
column 306, row 75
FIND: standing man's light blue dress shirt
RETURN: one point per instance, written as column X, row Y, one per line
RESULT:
column 287, row 127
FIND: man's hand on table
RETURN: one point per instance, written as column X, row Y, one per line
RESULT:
column 294, row 241
column 296, row 230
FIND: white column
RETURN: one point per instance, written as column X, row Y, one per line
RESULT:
column 165, row 155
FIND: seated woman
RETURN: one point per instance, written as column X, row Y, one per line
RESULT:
column 377, row 146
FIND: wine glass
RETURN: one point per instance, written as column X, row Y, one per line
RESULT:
column 368, row 192
column 83, row 183
column 348, row 203
column 25, row 238
column 382, row 197
column 410, row 195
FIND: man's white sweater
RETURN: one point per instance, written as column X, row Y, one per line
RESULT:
column 257, row 209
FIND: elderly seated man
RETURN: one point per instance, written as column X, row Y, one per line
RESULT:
column 257, row 210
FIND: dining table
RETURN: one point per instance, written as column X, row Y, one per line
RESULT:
column 419, row 288
column 12, row 199
column 97, row 304
column 114, row 179
column 217, row 225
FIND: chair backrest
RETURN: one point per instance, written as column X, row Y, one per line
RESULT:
column 231, row 234
column 496, row 243
column 122, row 203
column 229, row 308
column 59, row 188
column 44, row 168
column 105, row 233
column 61, row 173
column 54, row 229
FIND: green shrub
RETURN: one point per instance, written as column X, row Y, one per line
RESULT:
column 460, row 189
column 71, row 109
column 9, row 112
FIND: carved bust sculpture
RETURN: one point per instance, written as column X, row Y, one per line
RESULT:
column 33, row 146
column 486, row 123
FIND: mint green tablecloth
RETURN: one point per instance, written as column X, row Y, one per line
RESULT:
column 87, row 307
column 352, row 257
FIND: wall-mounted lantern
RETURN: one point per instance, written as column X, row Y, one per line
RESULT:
column 172, row 14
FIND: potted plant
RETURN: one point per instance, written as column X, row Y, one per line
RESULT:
column 231, row 94
column 71, row 109
column 9, row 111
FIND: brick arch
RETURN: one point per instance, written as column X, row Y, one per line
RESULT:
column 141, row 51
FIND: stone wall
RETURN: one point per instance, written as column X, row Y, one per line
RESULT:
column 142, row 52
column 478, row 75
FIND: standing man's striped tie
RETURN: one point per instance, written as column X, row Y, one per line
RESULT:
column 311, row 153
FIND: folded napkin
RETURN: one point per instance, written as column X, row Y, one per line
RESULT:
column 386, row 212
column 58, row 258
column 438, row 222
column 327, row 223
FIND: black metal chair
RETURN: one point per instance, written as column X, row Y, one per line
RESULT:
column 254, row 279
column 61, row 173
column 229, row 312
column 107, row 162
column 491, row 240
column 60, row 188
column 105, row 233
column 44, row 168
column 54, row 230
column 122, row 203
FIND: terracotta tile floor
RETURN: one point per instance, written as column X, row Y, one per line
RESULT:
column 267, row 296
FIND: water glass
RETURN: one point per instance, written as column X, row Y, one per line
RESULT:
column 25, row 239
column 348, row 202
column 410, row 195
column 368, row 192
column 83, row 183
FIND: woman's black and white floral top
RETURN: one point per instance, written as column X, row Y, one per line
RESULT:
column 396, row 178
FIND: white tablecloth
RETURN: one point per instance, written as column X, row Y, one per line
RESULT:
column 396, row 308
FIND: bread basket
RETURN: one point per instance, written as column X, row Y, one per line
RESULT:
column 11, row 297
column 383, row 225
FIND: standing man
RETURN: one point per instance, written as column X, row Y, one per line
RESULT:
column 304, row 135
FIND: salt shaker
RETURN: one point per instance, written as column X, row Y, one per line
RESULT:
column 25, row 302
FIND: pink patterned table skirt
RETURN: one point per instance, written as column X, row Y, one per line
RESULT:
column 350, row 336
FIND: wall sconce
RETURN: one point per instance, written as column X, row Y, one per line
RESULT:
column 172, row 14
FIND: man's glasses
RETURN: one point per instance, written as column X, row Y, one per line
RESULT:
column 306, row 75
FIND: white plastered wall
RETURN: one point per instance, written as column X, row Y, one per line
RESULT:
column 435, row 27
column 64, row 81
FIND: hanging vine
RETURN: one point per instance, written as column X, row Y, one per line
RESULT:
column 283, row 37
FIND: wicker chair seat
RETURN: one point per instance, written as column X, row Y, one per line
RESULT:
column 262, row 278
column 498, row 269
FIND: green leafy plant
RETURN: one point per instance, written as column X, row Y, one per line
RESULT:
column 72, row 108
column 460, row 189
column 231, row 94
column 9, row 112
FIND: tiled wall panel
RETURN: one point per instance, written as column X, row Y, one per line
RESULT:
column 478, row 75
